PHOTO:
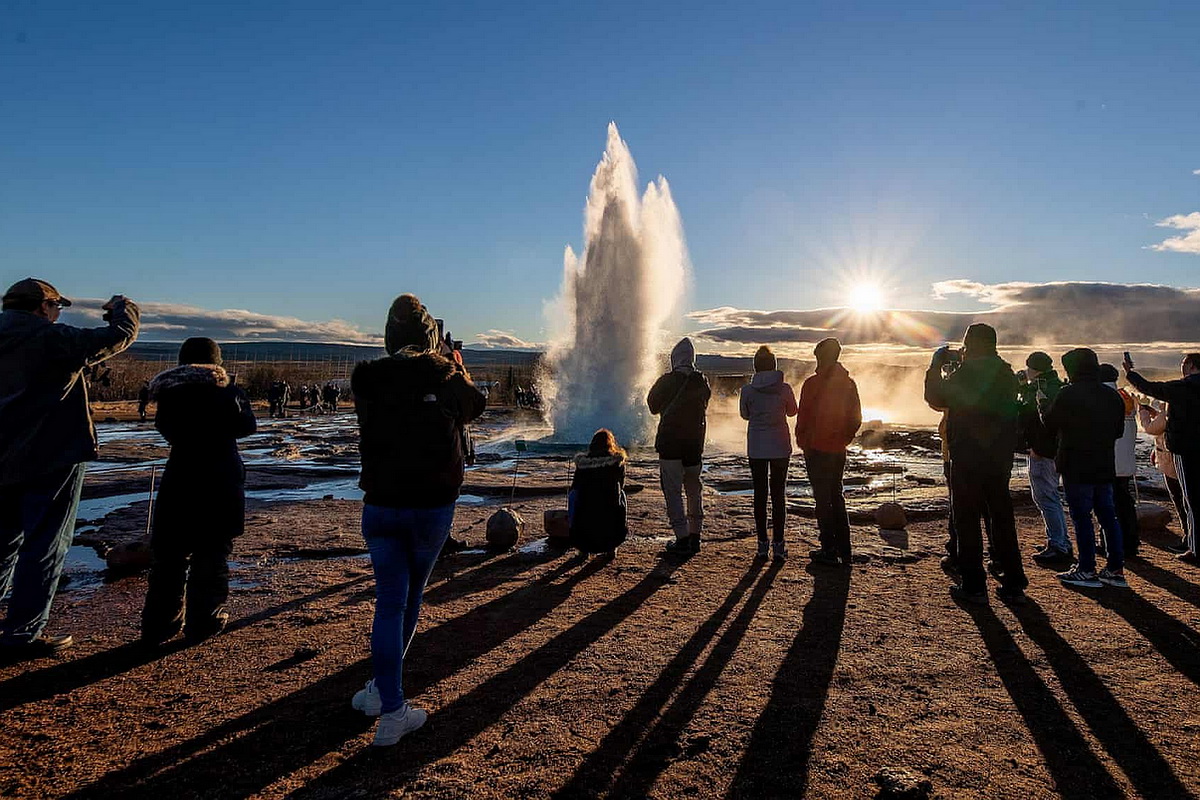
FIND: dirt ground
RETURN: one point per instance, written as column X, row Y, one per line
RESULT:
column 546, row 674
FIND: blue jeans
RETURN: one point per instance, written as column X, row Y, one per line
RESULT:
column 1043, row 484
column 37, row 521
column 1083, row 498
column 404, row 545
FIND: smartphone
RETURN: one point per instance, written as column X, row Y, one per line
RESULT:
column 1128, row 361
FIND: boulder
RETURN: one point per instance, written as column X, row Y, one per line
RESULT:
column 504, row 529
column 1153, row 517
column 555, row 523
column 891, row 517
column 129, row 557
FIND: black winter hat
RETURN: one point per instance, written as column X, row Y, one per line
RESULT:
column 980, row 338
column 764, row 360
column 1081, row 362
column 828, row 350
column 200, row 350
column 1108, row 373
column 1040, row 361
column 409, row 324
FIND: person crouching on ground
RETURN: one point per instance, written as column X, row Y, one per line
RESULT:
column 1088, row 418
column 201, row 499
column 597, row 503
column 766, row 403
column 411, row 406
column 1124, row 493
column 981, row 427
column 680, row 399
column 829, row 417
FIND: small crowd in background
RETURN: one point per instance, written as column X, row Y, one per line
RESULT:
column 413, row 407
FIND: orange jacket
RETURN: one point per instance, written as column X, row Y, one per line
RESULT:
column 830, row 413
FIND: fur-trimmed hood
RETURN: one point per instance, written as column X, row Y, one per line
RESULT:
column 385, row 375
column 189, row 375
column 584, row 461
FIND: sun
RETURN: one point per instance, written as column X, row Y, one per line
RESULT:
column 865, row 298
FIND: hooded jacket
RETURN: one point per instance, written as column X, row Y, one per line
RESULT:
column 766, row 402
column 1087, row 418
column 1125, row 450
column 45, row 422
column 1183, row 421
column 681, row 398
column 201, row 416
column 980, row 400
column 598, row 510
column 830, row 412
column 1037, row 438
column 411, row 409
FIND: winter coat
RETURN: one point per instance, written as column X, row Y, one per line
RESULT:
column 1154, row 422
column 201, row 416
column 45, row 422
column 1183, row 423
column 1125, row 450
column 681, row 398
column 598, row 504
column 1087, row 417
column 980, row 399
column 767, row 401
column 411, row 413
column 830, row 412
column 1037, row 438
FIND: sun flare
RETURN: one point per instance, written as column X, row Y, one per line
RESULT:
column 866, row 298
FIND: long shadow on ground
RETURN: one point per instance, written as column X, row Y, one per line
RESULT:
column 776, row 762
column 596, row 773
column 378, row 774
column 1109, row 723
column 244, row 755
column 1164, row 579
column 1176, row 641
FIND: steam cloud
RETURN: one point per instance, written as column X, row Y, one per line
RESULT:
column 616, row 296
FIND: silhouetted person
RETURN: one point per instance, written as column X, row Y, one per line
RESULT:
column 46, row 438
column 766, row 403
column 1088, row 418
column 1182, row 436
column 143, row 401
column 981, row 428
column 302, row 394
column 829, row 417
column 680, row 399
column 1154, row 422
column 1041, row 446
column 314, row 398
column 597, row 504
column 277, row 399
column 201, row 504
column 1124, row 493
column 331, row 393
column 412, row 406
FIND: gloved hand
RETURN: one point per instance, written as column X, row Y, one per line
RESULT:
column 940, row 357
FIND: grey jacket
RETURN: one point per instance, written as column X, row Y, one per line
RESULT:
column 766, row 402
column 45, row 422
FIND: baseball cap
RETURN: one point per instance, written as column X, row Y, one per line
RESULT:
column 34, row 289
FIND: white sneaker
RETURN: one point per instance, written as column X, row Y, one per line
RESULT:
column 396, row 724
column 367, row 700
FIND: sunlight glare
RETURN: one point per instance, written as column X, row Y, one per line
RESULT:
column 866, row 298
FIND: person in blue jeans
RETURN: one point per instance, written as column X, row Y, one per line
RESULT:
column 412, row 407
column 46, row 438
column 1086, row 419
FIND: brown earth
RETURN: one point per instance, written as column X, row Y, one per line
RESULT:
column 545, row 673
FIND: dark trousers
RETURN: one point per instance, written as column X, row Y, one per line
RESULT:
column 189, row 579
column 1127, row 517
column 952, row 534
column 37, row 521
column 1187, row 468
column 1180, row 503
column 976, row 497
column 825, row 472
column 1082, row 500
column 770, row 473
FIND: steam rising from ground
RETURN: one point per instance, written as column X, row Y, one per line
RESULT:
column 616, row 297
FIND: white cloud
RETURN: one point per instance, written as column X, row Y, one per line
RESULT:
column 1189, row 242
column 502, row 340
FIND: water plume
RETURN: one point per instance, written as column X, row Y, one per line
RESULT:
column 617, row 296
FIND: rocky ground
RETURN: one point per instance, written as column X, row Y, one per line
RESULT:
column 546, row 674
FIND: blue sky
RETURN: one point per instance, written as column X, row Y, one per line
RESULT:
column 312, row 160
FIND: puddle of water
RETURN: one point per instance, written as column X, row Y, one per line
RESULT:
column 99, row 507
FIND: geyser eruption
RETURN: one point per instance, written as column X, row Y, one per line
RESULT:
column 616, row 297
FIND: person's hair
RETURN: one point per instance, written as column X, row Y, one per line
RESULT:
column 200, row 350
column 22, row 304
column 604, row 443
column 764, row 360
column 1193, row 359
column 828, row 350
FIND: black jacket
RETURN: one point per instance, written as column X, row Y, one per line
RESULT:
column 681, row 397
column 1086, row 418
column 599, row 522
column 411, row 412
column 1183, row 422
column 981, row 424
column 45, row 423
column 1037, row 438
column 201, row 416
